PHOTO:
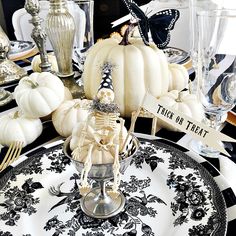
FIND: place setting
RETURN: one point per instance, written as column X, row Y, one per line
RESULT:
column 131, row 146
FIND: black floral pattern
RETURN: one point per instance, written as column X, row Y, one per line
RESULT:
column 147, row 153
column 207, row 229
column 178, row 163
column 193, row 198
column 129, row 219
column 134, row 185
column 19, row 201
column 32, row 167
column 58, row 160
column 190, row 200
column 5, row 233
column 56, row 224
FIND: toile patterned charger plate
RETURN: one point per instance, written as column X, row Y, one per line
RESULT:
column 167, row 192
column 20, row 49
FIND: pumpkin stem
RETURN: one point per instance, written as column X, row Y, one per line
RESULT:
column 32, row 84
column 179, row 98
column 77, row 105
column 16, row 115
column 125, row 39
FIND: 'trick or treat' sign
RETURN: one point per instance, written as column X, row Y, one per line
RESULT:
column 207, row 135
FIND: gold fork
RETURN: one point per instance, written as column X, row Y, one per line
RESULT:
column 12, row 154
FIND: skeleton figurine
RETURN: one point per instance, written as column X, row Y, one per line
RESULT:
column 107, row 132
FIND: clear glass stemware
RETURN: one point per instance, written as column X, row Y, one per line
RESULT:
column 194, row 7
column 216, row 67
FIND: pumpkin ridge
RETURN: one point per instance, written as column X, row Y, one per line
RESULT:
column 60, row 128
column 51, row 92
column 146, row 82
column 22, row 100
column 21, row 131
column 4, row 124
column 31, row 101
column 125, row 76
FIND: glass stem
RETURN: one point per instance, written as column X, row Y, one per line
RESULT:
column 214, row 120
column 193, row 85
column 103, row 193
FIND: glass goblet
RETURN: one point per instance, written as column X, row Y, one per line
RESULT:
column 216, row 67
column 194, row 7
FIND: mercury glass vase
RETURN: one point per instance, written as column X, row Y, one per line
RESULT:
column 60, row 28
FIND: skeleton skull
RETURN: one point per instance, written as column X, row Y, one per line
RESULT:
column 105, row 95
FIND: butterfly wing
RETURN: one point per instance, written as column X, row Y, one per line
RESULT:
column 141, row 18
column 160, row 25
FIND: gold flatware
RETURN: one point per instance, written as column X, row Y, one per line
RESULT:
column 12, row 154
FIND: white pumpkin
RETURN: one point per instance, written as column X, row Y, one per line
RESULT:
column 35, row 64
column 137, row 68
column 178, row 77
column 68, row 95
column 99, row 155
column 183, row 102
column 39, row 94
column 68, row 114
column 16, row 127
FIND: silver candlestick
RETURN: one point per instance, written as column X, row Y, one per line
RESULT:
column 38, row 34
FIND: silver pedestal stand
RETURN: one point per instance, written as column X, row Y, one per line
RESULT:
column 97, row 203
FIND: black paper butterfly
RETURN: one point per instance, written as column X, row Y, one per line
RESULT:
column 159, row 24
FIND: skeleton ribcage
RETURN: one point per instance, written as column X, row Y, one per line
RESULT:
column 104, row 120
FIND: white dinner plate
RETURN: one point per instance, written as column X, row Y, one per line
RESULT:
column 167, row 192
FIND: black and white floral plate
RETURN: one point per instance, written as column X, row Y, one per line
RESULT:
column 176, row 55
column 19, row 49
column 167, row 192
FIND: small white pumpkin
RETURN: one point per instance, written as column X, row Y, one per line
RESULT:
column 16, row 127
column 39, row 94
column 99, row 155
column 37, row 60
column 66, row 116
column 179, row 77
column 68, row 95
column 183, row 102
column 137, row 68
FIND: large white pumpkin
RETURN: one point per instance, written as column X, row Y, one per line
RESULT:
column 39, row 94
column 183, row 102
column 68, row 114
column 137, row 68
column 16, row 127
